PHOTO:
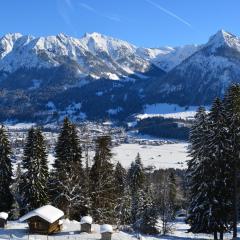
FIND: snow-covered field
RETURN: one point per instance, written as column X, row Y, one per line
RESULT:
column 168, row 111
column 156, row 152
column 163, row 156
column 71, row 231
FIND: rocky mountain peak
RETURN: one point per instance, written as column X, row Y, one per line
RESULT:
column 223, row 39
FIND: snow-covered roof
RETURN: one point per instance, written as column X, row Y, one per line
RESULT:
column 106, row 228
column 86, row 219
column 48, row 213
column 3, row 215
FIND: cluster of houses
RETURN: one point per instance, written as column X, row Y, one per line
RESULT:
column 48, row 220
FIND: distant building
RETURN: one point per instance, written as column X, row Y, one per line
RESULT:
column 44, row 220
column 3, row 219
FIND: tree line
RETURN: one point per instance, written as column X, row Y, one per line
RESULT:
column 110, row 193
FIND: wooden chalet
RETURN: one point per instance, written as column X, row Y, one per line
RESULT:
column 3, row 219
column 44, row 220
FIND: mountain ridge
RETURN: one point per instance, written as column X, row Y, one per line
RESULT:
column 93, row 43
column 97, row 76
column 208, row 72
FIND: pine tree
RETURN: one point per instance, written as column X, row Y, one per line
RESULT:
column 5, row 172
column 120, row 175
column 103, row 195
column 41, row 152
column 18, row 200
column 35, row 178
column 67, row 182
column 208, row 173
column 219, row 168
column 232, row 115
column 136, row 175
column 120, row 184
column 198, row 175
column 148, row 214
column 172, row 191
column 136, row 180
column 125, row 214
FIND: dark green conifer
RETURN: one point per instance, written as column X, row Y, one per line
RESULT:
column 136, row 181
column 67, row 183
column 102, row 184
column 34, row 186
column 6, row 198
column 232, row 116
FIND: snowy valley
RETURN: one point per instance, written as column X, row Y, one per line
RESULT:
column 155, row 152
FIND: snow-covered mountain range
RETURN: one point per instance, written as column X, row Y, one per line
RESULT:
column 205, row 74
column 95, row 54
column 97, row 76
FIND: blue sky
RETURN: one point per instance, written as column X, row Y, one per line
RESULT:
column 149, row 23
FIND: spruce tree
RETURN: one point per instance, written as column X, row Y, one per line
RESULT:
column 136, row 175
column 5, row 172
column 232, row 115
column 214, row 166
column 34, row 186
column 136, row 180
column 148, row 214
column 199, row 176
column 219, row 168
column 163, row 200
column 103, row 195
column 120, row 183
column 120, row 175
column 41, row 152
column 67, row 182
column 18, row 200
column 172, row 191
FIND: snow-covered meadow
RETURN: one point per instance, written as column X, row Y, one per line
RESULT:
column 71, row 231
column 163, row 156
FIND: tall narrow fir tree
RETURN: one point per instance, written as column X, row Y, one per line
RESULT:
column 35, row 178
column 5, row 172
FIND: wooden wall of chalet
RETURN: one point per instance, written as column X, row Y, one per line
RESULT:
column 106, row 236
column 39, row 225
column 3, row 223
column 86, row 227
